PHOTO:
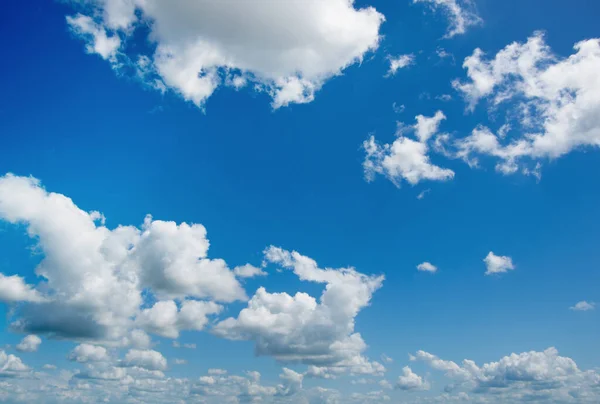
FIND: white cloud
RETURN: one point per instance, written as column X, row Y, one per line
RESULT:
column 406, row 159
column 30, row 343
column 461, row 13
column 555, row 104
column 145, row 359
column 301, row 329
column 93, row 277
column 497, row 264
column 89, row 353
column 400, row 62
column 386, row 358
column 14, row 289
column 167, row 320
column 180, row 361
column 248, row 271
column 529, row 376
column 11, row 365
column 584, row 306
column 427, row 267
column 96, row 37
column 289, row 49
column 410, row 381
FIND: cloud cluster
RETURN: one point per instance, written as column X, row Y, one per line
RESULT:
column 91, row 278
column 406, row 158
column 301, row 329
column 552, row 102
column 287, row 49
column 529, row 376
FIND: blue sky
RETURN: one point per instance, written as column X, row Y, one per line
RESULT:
column 278, row 159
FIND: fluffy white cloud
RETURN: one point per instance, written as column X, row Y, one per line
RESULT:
column 288, row 49
column 14, row 289
column 167, row 320
column 400, row 62
column 248, row 271
column 30, row 343
column 529, row 376
column 461, row 13
column 301, row 329
column 497, row 264
column 89, row 353
column 145, row 359
column 410, row 381
column 92, row 277
column 427, row 267
column 406, row 159
column 11, row 365
column 553, row 103
column 584, row 306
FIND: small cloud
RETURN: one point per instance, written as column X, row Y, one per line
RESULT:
column 427, row 267
column 584, row 306
column 386, row 359
column 400, row 62
column 423, row 194
column 176, row 344
column 498, row 264
column 444, row 97
column 180, row 361
column 398, row 108
column 30, row 343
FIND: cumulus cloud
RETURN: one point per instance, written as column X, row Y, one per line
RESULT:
column 406, row 159
column 584, row 306
column 552, row 103
column 300, row 328
column 167, row 320
column 529, row 376
column 84, row 353
column 248, row 271
column 400, row 62
column 14, row 289
column 93, row 277
column 410, row 381
column 461, row 14
column 30, row 343
column 498, row 264
column 287, row 49
column 11, row 365
column 145, row 359
column 427, row 267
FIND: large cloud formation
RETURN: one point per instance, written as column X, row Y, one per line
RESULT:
column 285, row 48
column 553, row 103
column 301, row 329
column 526, row 377
column 92, row 277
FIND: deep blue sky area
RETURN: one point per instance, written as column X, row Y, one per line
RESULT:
column 292, row 177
